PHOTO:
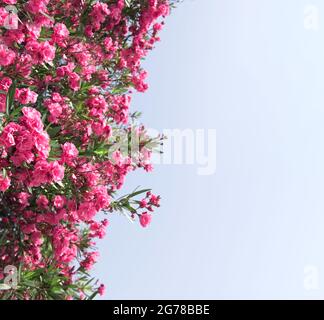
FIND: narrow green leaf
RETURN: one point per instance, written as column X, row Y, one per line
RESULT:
column 10, row 97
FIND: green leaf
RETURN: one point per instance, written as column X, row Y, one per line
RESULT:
column 134, row 194
column 15, row 112
column 129, row 207
column 4, row 233
column 53, row 131
column 10, row 97
column 93, row 296
column 4, row 286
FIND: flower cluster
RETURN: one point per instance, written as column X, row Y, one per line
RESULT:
column 67, row 139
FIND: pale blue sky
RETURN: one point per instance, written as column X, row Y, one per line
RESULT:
column 250, row 70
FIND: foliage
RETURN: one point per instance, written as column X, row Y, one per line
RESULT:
column 67, row 140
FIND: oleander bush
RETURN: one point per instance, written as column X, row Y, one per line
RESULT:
column 67, row 136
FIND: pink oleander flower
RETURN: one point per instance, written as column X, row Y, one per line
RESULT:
column 60, row 33
column 7, row 137
column 56, row 171
column 5, row 83
column 69, row 151
column 25, row 96
column 4, row 183
column 59, row 202
column 7, row 56
column 45, row 172
column 32, row 119
column 42, row 201
column 40, row 51
column 101, row 289
column 23, row 199
column 36, row 6
column 145, row 219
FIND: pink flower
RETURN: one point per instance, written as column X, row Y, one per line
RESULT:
column 60, row 30
column 24, row 141
column 7, row 56
column 86, row 211
column 23, row 199
column 4, row 183
column 5, row 83
column 155, row 200
column 90, row 260
column 36, row 6
column 7, row 136
column 99, row 13
column 45, row 172
column 29, row 228
column 101, row 289
column 145, row 219
column 59, row 202
column 36, row 238
column 157, row 27
column 9, row 1
column 47, row 51
column 25, row 96
column 56, row 171
column 42, row 201
column 60, row 34
column 42, row 144
column 108, row 43
column 64, row 244
column 143, row 203
column 40, row 51
column 69, row 152
column 74, row 81
column 98, row 230
column 20, row 157
column 55, row 110
column 32, row 119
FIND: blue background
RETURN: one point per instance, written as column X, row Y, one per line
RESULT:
column 250, row 70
